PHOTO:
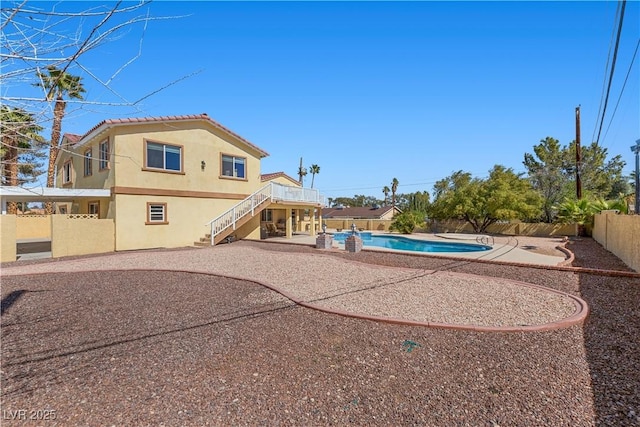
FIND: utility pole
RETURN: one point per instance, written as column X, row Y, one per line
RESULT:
column 578, row 156
column 636, row 150
column 301, row 171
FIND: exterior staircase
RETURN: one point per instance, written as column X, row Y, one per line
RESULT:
column 226, row 223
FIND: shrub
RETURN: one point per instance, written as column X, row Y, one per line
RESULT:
column 406, row 222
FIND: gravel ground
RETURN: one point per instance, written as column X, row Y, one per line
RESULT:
column 179, row 348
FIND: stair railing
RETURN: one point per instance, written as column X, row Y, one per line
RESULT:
column 230, row 217
column 272, row 191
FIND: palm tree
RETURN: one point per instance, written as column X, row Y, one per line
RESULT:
column 386, row 190
column 314, row 169
column 58, row 85
column 18, row 129
column 394, row 188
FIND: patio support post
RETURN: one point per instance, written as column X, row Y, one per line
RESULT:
column 312, row 221
column 289, row 223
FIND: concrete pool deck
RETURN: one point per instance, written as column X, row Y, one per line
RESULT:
column 511, row 249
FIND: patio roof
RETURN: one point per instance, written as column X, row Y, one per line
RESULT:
column 43, row 194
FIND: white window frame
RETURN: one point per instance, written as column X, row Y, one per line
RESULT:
column 164, row 146
column 234, row 172
column 67, row 172
column 104, row 154
column 94, row 208
column 156, row 213
column 88, row 162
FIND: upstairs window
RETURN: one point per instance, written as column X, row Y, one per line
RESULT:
column 234, row 166
column 66, row 172
column 104, row 154
column 88, row 162
column 164, row 156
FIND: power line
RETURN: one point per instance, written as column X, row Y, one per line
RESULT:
column 613, row 67
column 606, row 67
column 623, row 87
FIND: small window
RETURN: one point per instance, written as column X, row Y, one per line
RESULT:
column 94, row 208
column 104, row 154
column 66, row 172
column 157, row 213
column 234, row 166
column 266, row 215
column 88, row 162
column 164, row 156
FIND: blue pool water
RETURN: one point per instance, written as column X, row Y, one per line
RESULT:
column 407, row 244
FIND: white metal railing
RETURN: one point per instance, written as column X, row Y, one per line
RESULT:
column 295, row 194
column 273, row 191
column 230, row 217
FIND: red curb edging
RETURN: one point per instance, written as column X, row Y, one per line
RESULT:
column 578, row 317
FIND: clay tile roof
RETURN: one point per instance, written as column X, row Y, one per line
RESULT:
column 274, row 175
column 72, row 137
column 203, row 116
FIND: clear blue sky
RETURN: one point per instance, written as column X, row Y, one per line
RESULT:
column 370, row 91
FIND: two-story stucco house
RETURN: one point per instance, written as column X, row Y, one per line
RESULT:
column 172, row 180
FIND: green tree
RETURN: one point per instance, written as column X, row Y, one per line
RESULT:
column 386, row 190
column 504, row 195
column 314, row 169
column 418, row 201
column 548, row 172
column 58, row 85
column 552, row 172
column 394, row 189
column 21, row 145
column 601, row 178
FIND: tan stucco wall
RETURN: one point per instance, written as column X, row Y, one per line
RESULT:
column 8, row 249
column 187, row 219
column 199, row 143
column 521, row 229
column 98, row 178
column 82, row 206
column 33, row 227
column 515, row 229
column 194, row 196
column 620, row 235
column 251, row 230
column 81, row 236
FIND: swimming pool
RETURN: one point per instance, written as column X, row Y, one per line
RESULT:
column 407, row 244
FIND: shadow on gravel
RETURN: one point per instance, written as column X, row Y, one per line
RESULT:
column 10, row 299
column 77, row 329
column 611, row 335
